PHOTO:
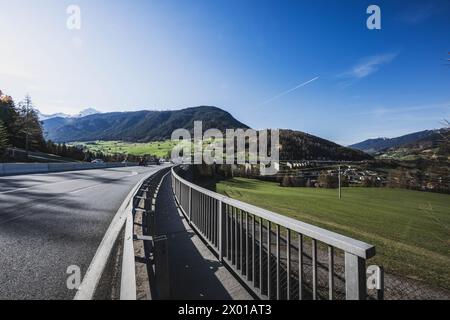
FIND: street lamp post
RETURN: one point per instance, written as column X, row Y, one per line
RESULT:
column 339, row 179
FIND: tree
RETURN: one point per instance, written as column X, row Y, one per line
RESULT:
column 326, row 180
column 3, row 138
column 30, row 127
column 286, row 182
column 8, row 115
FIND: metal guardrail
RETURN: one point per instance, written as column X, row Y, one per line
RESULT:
column 270, row 252
column 143, row 202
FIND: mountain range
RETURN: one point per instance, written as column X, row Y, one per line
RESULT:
column 146, row 126
column 138, row 126
column 373, row 146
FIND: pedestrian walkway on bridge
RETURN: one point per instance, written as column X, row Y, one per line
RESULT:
column 194, row 272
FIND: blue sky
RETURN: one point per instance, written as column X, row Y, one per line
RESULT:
column 305, row 65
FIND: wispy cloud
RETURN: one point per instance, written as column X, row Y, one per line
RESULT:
column 289, row 91
column 369, row 65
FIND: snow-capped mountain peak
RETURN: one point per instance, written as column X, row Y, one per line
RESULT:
column 86, row 112
column 81, row 114
column 43, row 117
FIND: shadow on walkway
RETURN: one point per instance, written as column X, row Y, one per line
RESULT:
column 194, row 272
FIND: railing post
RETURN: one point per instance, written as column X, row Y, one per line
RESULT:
column 190, row 205
column 222, row 231
column 355, row 277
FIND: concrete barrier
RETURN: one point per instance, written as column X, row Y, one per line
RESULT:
column 9, row 169
column 23, row 168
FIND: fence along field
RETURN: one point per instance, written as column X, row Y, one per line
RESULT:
column 410, row 229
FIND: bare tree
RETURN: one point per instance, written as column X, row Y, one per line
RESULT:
column 29, row 124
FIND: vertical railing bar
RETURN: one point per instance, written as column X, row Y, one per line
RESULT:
column 229, row 234
column 221, row 225
column 241, row 242
column 205, row 208
column 288, row 264
column 204, row 215
column 269, row 287
column 300, row 266
column 190, row 204
column 247, row 242
column 214, row 208
column 314, row 268
column 200, row 211
column 200, row 202
column 355, row 277
column 227, row 230
column 208, row 215
column 211, row 220
column 194, row 206
column 231, row 227
column 253, row 250
column 235, row 236
column 217, row 223
column 331, row 272
column 278, row 262
column 260, row 255
column 197, row 208
column 237, row 239
column 218, row 217
column 214, row 222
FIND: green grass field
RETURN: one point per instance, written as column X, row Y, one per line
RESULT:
column 161, row 149
column 158, row 148
column 410, row 229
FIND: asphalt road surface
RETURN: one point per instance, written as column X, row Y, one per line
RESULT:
column 51, row 221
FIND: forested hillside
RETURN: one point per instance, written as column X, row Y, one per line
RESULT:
column 140, row 126
column 296, row 145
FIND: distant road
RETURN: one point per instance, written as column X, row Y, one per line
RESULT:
column 51, row 221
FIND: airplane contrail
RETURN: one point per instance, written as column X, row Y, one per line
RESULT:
column 290, row 90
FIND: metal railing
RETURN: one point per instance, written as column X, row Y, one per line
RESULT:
column 155, row 248
column 275, row 256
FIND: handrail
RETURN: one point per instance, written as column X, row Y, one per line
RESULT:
column 262, row 246
column 347, row 244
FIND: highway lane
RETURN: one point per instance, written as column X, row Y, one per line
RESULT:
column 51, row 221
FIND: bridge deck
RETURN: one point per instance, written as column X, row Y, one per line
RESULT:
column 194, row 272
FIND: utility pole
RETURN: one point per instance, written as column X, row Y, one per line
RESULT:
column 339, row 179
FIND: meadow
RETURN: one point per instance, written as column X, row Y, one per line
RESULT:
column 410, row 229
column 159, row 149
